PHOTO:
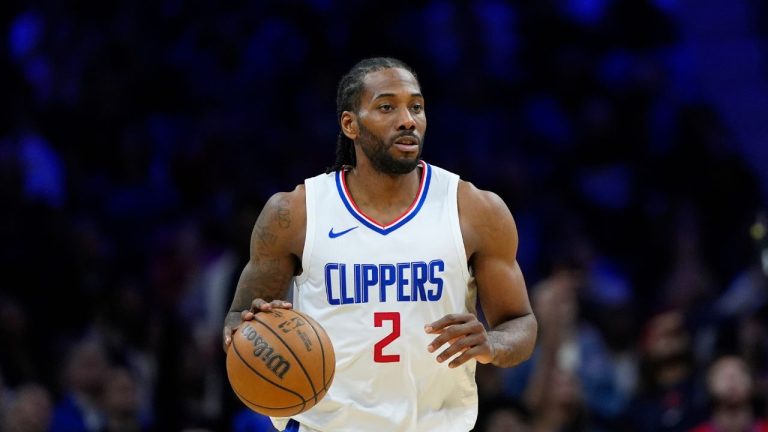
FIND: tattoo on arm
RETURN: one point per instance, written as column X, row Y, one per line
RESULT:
column 283, row 213
column 271, row 265
column 263, row 236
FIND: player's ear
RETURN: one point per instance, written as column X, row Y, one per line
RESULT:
column 349, row 124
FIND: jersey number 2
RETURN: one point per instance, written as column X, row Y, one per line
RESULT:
column 378, row 348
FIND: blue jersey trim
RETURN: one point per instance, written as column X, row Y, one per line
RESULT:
column 388, row 229
column 292, row 426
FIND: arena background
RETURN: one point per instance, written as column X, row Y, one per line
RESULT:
column 139, row 140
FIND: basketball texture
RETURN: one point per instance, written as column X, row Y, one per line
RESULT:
column 281, row 363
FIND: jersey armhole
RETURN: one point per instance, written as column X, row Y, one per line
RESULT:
column 458, row 238
column 470, row 301
column 309, row 236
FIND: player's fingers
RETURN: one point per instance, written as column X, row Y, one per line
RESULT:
column 446, row 321
column 459, row 345
column 246, row 315
column 227, row 337
column 446, row 336
column 280, row 304
column 466, row 355
column 259, row 305
column 466, row 328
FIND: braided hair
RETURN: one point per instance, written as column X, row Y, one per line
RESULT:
column 348, row 99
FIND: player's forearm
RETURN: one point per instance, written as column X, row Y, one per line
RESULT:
column 264, row 277
column 513, row 341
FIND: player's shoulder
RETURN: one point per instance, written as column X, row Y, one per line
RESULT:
column 285, row 215
column 480, row 202
column 485, row 219
column 288, row 198
column 287, row 204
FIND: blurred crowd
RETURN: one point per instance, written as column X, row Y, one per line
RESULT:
column 139, row 140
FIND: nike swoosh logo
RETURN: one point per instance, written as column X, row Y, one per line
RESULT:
column 332, row 234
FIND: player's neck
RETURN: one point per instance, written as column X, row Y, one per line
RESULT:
column 377, row 192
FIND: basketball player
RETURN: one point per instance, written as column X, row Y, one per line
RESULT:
column 389, row 253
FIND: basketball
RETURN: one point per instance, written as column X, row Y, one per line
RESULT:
column 281, row 363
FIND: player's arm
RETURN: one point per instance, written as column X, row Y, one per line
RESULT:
column 490, row 238
column 277, row 242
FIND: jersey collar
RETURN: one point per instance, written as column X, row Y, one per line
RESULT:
column 413, row 209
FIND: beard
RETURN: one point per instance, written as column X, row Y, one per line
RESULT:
column 377, row 152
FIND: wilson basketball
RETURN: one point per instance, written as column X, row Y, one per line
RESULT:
column 281, row 363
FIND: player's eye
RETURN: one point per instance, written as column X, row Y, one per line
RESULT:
column 417, row 108
column 385, row 107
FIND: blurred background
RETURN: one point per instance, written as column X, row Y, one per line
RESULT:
column 139, row 140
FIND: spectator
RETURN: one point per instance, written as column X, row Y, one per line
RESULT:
column 121, row 402
column 563, row 408
column 84, row 375
column 570, row 350
column 670, row 398
column 730, row 388
column 29, row 410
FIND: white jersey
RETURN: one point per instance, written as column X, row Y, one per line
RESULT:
column 374, row 288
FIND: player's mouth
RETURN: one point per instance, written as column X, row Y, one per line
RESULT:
column 407, row 144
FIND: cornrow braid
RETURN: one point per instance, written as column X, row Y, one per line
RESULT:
column 348, row 94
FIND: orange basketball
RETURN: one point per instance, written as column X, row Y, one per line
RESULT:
column 281, row 363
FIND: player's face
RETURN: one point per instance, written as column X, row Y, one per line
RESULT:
column 391, row 121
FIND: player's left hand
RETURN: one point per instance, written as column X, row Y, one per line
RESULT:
column 465, row 334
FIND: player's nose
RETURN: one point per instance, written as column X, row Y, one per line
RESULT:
column 406, row 121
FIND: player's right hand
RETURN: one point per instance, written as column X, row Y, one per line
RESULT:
column 260, row 305
column 234, row 319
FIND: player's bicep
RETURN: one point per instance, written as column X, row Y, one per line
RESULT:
column 502, row 292
column 272, row 262
column 501, row 286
